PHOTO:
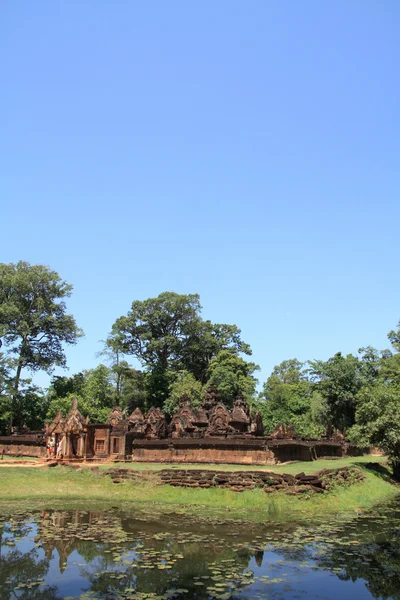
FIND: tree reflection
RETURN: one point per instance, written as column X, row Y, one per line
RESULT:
column 123, row 553
column 377, row 564
column 18, row 569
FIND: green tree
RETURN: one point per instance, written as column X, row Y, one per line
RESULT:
column 338, row 380
column 5, row 393
column 29, row 407
column 167, row 335
column 230, row 374
column 378, row 421
column 34, row 323
column 129, row 383
column 184, row 384
column 96, row 394
column 205, row 341
column 377, row 417
column 62, row 386
column 394, row 337
column 287, row 398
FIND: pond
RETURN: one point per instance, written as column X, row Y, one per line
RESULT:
column 115, row 555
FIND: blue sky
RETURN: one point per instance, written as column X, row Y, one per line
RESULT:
column 246, row 151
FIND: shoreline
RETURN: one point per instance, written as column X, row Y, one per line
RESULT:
column 29, row 489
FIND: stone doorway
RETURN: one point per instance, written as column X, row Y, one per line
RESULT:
column 74, row 445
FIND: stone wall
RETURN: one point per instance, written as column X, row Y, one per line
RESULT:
column 240, row 481
column 217, row 450
column 15, row 446
column 208, row 450
column 242, row 451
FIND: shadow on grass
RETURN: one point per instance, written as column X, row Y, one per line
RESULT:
column 380, row 470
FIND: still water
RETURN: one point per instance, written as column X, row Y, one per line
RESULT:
column 112, row 555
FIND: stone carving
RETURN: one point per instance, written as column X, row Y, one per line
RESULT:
column 201, row 420
column 183, row 421
column 155, row 426
column 75, row 422
column 211, row 399
column 136, row 422
column 219, row 421
column 283, row 432
column 240, row 416
column 77, row 439
column 57, row 426
column 212, row 419
column 66, row 437
column 338, row 436
column 116, row 416
column 257, row 427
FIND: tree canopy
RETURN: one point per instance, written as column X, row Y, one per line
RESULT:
column 34, row 323
column 287, row 398
column 167, row 335
column 178, row 353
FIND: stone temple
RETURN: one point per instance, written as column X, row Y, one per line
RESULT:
column 211, row 434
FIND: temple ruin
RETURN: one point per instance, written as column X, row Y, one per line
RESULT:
column 212, row 433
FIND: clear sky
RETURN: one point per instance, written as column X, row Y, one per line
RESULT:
column 246, row 151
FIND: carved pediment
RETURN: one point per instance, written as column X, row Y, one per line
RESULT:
column 116, row 416
column 257, row 427
column 240, row 418
column 75, row 422
column 183, row 420
column 185, row 411
column 211, row 398
column 201, row 418
column 219, row 420
column 283, row 432
column 136, row 417
column 57, row 426
column 155, row 424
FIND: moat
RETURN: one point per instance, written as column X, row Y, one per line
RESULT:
column 113, row 554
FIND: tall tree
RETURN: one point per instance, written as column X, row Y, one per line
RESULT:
column 378, row 421
column 338, row 380
column 287, row 398
column 230, row 374
column 394, row 337
column 167, row 335
column 129, row 383
column 184, row 384
column 377, row 417
column 93, row 388
column 34, row 323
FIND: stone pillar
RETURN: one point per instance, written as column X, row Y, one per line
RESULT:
column 82, row 445
column 107, row 448
column 87, row 437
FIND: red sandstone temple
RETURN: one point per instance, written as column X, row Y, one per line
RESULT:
column 212, row 434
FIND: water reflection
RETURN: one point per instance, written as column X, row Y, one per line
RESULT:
column 113, row 555
column 22, row 572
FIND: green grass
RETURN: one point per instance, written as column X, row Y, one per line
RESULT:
column 61, row 487
column 11, row 457
column 308, row 467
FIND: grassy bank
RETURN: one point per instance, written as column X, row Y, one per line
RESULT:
column 12, row 457
column 307, row 467
column 60, row 487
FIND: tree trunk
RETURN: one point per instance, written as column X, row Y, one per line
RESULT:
column 16, row 385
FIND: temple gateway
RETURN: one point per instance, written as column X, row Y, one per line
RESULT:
column 211, row 434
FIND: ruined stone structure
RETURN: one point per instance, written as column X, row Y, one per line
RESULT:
column 214, row 419
column 211, row 434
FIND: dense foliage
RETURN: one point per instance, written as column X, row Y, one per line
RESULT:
column 34, row 325
column 179, row 353
column 167, row 335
